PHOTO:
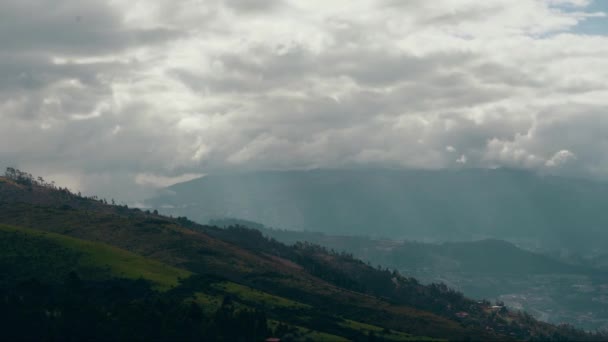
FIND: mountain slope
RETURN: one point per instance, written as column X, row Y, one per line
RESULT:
column 548, row 288
column 21, row 247
column 238, row 269
column 51, row 257
column 490, row 257
column 545, row 211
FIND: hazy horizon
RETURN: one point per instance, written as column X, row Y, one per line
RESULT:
column 432, row 170
column 119, row 98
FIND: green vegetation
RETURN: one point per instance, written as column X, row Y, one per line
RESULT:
column 302, row 333
column 492, row 269
column 264, row 299
column 208, row 302
column 77, row 268
column 118, row 309
column 383, row 333
column 91, row 255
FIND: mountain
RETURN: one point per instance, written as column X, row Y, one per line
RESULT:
column 547, row 287
column 78, row 268
column 490, row 257
column 536, row 211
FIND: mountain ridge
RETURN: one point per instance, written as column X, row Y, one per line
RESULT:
column 539, row 211
column 219, row 258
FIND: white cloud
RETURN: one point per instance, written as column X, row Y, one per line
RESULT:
column 162, row 181
column 154, row 90
column 560, row 158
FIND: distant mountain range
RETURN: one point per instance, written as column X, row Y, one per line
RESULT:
column 548, row 287
column 488, row 257
column 536, row 211
column 76, row 268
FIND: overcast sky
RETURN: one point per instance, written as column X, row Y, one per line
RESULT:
column 117, row 97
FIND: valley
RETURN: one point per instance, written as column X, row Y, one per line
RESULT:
column 537, row 211
column 549, row 289
column 127, row 267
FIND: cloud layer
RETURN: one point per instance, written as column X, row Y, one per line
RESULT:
column 112, row 96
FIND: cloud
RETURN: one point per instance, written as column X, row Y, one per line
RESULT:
column 130, row 95
column 162, row 181
column 560, row 158
column 69, row 27
column 254, row 6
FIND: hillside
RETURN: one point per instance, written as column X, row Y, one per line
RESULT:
column 459, row 205
column 22, row 249
column 499, row 257
column 548, row 288
column 225, row 278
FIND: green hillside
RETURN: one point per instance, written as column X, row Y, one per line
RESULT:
column 547, row 287
column 488, row 257
column 227, row 283
column 50, row 257
column 56, row 253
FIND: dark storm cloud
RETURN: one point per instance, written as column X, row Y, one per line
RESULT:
column 69, row 27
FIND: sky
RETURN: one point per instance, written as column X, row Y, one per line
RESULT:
column 121, row 97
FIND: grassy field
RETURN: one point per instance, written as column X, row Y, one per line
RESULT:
column 115, row 261
column 390, row 335
column 248, row 294
column 209, row 303
column 308, row 334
